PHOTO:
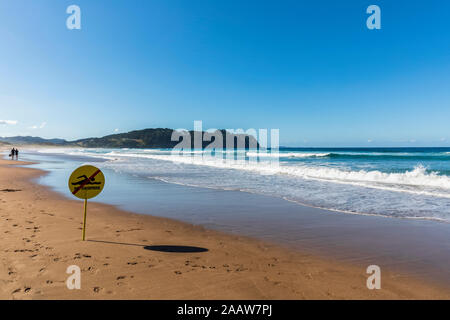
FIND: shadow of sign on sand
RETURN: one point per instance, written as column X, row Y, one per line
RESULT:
column 179, row 249
column 160, row 248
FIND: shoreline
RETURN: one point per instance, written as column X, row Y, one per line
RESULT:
column 125, row 257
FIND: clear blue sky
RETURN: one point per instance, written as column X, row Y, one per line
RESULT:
column 310, row 68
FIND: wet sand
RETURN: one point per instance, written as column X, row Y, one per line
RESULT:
column 133, row 256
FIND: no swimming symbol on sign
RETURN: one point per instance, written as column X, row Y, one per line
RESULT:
column 86, row 182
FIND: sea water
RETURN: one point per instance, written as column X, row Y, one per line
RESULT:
column 409, row 183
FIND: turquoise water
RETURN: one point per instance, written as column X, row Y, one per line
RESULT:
column 395, row 182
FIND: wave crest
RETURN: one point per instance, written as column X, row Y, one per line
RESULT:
column 286, row 155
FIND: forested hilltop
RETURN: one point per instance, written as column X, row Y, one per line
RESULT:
column 146, row 138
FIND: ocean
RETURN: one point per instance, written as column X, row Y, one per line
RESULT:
column 412, row 183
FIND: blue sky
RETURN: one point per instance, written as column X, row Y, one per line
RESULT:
column 309, row 68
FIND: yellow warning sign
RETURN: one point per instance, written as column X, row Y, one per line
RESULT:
column 86, row 182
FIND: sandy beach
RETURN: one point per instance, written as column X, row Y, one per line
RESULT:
column 132, row 256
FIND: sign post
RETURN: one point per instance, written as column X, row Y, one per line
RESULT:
column 84, row 219
column 86, row 182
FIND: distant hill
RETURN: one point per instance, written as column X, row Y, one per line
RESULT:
column 32, row 140
column 150, row 138
column 147, row 138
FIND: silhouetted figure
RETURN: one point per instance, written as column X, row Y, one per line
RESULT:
column 17, row 154
column 13, row 153
column 85, row 179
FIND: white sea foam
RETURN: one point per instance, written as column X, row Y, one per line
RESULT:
column 418, row 177
column 318, row 181
column 286, row 154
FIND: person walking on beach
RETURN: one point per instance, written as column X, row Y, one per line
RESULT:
column 13, row 152
column 17, row 154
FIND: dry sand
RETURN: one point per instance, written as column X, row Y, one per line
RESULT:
column 123, row 258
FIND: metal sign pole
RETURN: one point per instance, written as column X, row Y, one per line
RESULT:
column 84, row 219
